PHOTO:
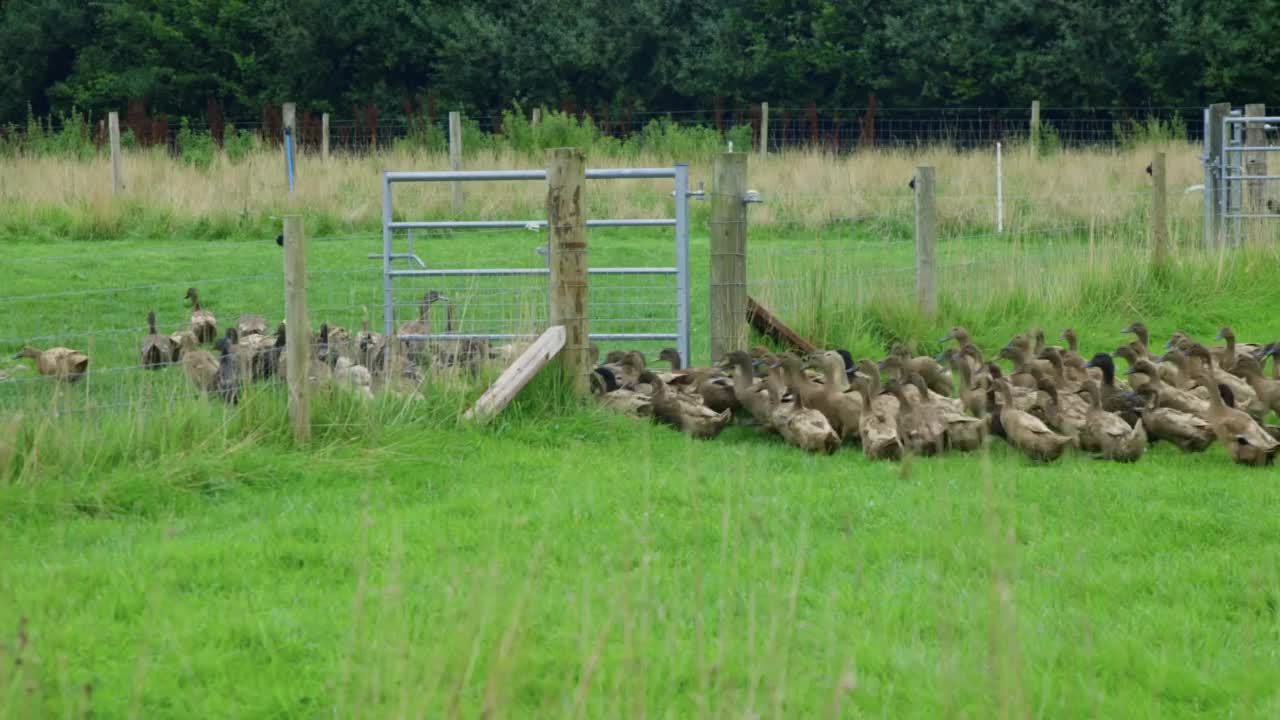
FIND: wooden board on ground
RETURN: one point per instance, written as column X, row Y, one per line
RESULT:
column 767, row 324
column 518, row 374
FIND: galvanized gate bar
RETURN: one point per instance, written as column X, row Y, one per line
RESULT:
column 685, row 342
column 526, row 336
column 518, row 224
column 500, row 175
column 533, row 271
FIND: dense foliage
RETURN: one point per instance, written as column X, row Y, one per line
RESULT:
column 178, row 56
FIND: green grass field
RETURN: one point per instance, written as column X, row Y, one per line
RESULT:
column 165, row 557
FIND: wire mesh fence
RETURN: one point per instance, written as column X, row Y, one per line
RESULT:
column 95, row 303
column 837, row 129
column 821, row 281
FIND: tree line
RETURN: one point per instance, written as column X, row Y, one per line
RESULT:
column 405, row 57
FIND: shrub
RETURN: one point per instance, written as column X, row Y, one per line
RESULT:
column 69, row 138
column 238, row 143
column 196, row 148
column 1152, row 131
column 423, row 135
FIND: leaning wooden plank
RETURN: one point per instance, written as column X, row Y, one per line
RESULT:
column 518, row 374
column 770, row 326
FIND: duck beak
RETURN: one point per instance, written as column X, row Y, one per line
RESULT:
column 1219, row 336
column 1169, row 345
column 883, row 364
column 1130, row 371
column 1128, row 330
column 941, row 357
column 947, row 337
column 1090, row 364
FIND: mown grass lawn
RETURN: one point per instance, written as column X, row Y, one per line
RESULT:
column 592, row 566
column 180, row 560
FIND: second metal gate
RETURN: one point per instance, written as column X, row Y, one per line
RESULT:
column 1237, row 182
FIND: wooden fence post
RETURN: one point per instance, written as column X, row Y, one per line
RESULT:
column 1214, row 188
column 926, row 242
column 1255, row 163
column 567, row 242
column 455, row 158
column 728, row 254
column 764, row 129
column 324, row 137
column 536, row 120
column 113, row 128
column 297, row 332
column 1159, row 213
column 1035, row 128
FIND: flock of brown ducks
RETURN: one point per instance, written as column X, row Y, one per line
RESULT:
column 248, row 352
column 1047, row 398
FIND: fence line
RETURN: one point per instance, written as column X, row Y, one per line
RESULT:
column 837, row 128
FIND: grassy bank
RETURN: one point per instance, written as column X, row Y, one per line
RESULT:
column 443, row 571
column 165, row 556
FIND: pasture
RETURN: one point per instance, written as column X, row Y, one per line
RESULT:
column 167, row 556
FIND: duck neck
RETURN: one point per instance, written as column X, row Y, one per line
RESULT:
column 873, row 383
column 833, row 374
column 1141, row 334
column 1108, row 373
column 1072, row 343
column 1216, row 406
column 795, row 376
column 1059, row 376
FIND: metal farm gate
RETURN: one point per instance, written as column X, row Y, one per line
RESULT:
column 667, row 318
column 1240, row 193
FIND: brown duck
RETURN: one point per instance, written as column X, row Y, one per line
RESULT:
column 156, row 351
column 1026, row 432
column 62, row 363
column 203, row 324
column 1107, row 435
column 1244, row 439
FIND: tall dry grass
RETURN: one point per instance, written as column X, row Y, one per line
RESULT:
column 803, row 187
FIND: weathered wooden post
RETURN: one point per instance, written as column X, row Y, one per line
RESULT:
column 455, row 158
column 728, row 254
column 297, row 332
column 324, row 137
column 1035, row 128
column 1214, row 187
column 113, row 129
column 567, row 242
column 1159, row 213
column 536, row 119
column 764, row 129
column 926, row 242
